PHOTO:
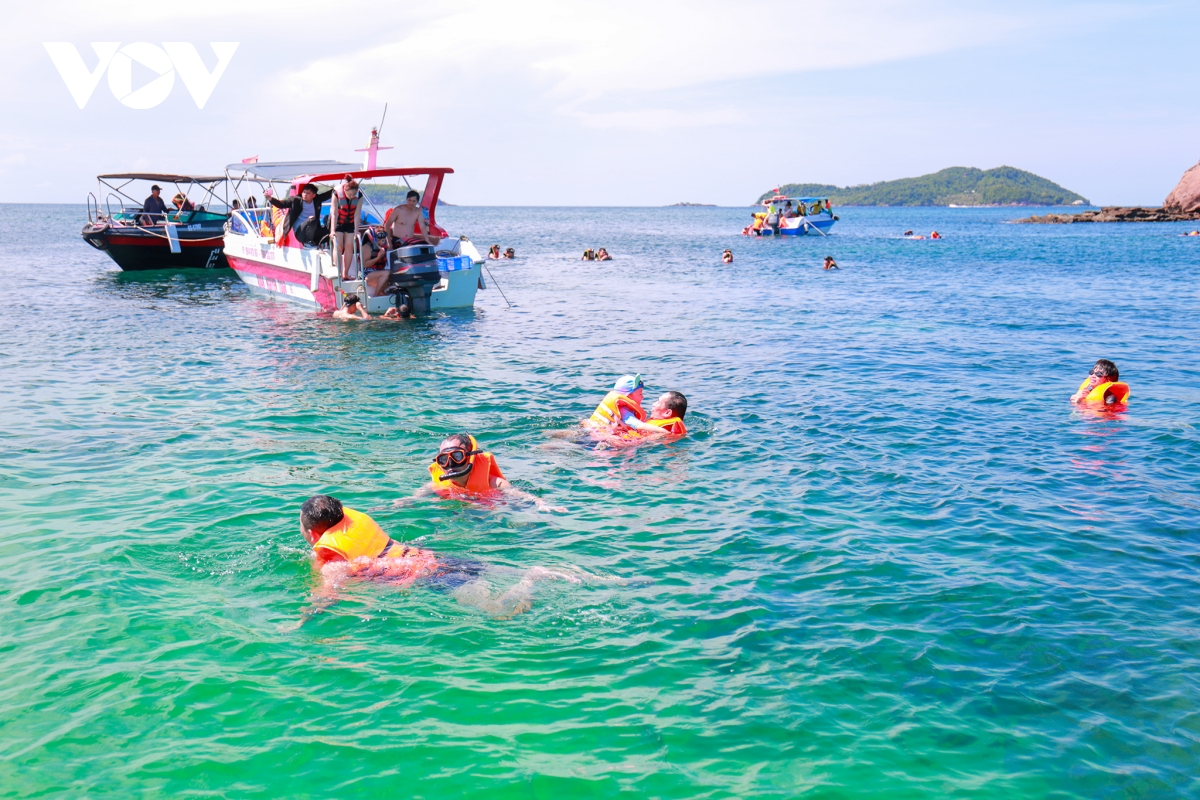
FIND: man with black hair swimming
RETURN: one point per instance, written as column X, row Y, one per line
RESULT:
column 348, row 544
column 1103, row 385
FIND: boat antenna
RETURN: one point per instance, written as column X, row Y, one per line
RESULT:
column 384, row 117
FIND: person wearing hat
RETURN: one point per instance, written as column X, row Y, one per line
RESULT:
column 622, row 409
column 181, row 203
column 351, row 310
column 154, row 207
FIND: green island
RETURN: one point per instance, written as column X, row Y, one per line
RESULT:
column 954, row 186
column 389, row 194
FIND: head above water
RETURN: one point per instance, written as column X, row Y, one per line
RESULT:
column 628, row 384
column 454, row 455
column 318, row 514
column 671, row 404
column 350, row 301
column 1106, row 369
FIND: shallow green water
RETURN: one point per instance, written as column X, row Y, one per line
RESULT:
column 891, row 561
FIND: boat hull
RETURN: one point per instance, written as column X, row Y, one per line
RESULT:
column 288, row 272
column 135, row 250
column 806, row 227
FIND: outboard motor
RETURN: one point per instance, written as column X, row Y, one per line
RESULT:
column 414, row 273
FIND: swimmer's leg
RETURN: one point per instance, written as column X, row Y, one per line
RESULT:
column 518, row 599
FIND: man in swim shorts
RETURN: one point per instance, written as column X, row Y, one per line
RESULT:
column 1104, row 375
column 349, row 544
column 461, row 470
column 403, row 222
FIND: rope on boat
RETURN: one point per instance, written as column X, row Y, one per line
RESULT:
column 498, row 289
column 161, row 235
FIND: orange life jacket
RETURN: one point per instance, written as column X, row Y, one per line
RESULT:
column 356, row 536
column 611, row 407
column 673, row 426
column 1118, row 390
column 483, row 468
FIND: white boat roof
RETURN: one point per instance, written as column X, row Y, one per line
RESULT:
column 290, row 170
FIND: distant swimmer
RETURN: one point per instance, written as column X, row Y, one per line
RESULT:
column 830, row 263
column 602, row 255
column 462, row 470
column 1191, row 233
column 349, row 544
column 402, row 312
column 1102, row 386
column 935, row 235
column 351, row 310
column 509, row 253
column 588, row 255
column 908, row 233
column 494, row 252
column 727, row 256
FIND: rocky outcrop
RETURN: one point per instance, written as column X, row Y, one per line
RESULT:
column 1181, row 205
column 1185, row 197
column 1117, row 214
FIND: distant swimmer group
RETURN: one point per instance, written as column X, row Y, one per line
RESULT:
column 933, row 235
column 595, row 255
column 495, row 254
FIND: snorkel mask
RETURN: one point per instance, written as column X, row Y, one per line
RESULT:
column 456, row 461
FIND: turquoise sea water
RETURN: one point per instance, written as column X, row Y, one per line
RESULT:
column 891, row 561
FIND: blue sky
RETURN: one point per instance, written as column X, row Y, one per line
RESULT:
column 627, row 103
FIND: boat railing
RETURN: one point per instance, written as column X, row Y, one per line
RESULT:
column 93, row 208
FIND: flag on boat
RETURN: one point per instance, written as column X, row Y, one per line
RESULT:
column 250, row 160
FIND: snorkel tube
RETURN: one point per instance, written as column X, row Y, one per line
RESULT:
column 451, row 472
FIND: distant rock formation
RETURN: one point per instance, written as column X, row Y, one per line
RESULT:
column 1116, row 214
column 692, row 205
column 1181, row 205
column 1185, row 197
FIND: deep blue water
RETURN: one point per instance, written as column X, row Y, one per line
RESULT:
column 891, row 560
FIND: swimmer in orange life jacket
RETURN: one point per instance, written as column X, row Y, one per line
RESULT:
column 460, row 467
column 348, row 544
column 622, row 408
column 1103, row 385
column 666, row 416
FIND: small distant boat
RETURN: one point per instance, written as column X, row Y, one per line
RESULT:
column 814, row 216
column 420, row 276
column 190, row 237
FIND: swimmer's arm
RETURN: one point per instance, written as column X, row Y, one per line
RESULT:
column 504, row 486
column 1092, row 383
column 638, row 425
column 424, row 491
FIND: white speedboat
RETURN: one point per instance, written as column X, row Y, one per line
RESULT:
column 425, row 277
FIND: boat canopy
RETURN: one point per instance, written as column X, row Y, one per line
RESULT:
column 162, row 176
column 779, row 198
column 289, row 171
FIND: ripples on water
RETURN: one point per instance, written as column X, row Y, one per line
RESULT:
column 891, row 560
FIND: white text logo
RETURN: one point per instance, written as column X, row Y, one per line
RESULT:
column 163, row 61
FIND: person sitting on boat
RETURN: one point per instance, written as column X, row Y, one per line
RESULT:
column 1103, row 385
column 727, row 256
column 351, row 310
column 588, row 255
column 182, row 204
column 348, row 208
column 494, row 252
column 374, row 260
column 154, row 207
column 303, row 215
column 602, row 255
column 509, row 253
column 251, row 202
column 402, row 223
column 788, row 211
column 461, row 468
column 349, row 544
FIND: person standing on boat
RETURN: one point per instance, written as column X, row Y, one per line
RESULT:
column 303, row 214
column 347, row 209
column 154, row 208
column 403, row 223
